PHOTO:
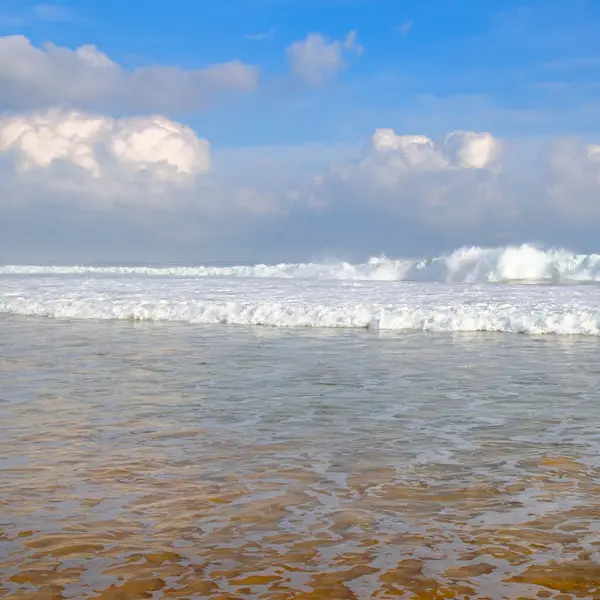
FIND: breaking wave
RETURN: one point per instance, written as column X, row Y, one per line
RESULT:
column 512, row 264
column 450, row 315
column 459, row 319
column 379, row 294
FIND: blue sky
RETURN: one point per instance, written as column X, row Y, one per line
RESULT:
column 516, row 67
column 292, row 122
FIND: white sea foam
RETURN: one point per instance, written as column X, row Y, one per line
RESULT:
column 513, row 264
column 399, row 306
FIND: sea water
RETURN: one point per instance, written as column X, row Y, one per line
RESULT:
column 302, row 431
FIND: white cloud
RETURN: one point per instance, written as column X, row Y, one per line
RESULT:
column 452, row 182
column 100, row 159
column 469, row 150
column 32, row 77
column 389, row 159
column 316, row 59
column 85, row 161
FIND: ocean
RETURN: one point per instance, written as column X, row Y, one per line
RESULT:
column 395, row 428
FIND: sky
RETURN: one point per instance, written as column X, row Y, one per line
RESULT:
column 296, row 130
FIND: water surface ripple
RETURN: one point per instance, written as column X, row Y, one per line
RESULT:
column 169, row 460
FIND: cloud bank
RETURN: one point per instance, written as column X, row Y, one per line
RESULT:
column 31, row 78
column 401, row 194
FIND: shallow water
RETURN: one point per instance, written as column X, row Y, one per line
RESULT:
column 194, row 461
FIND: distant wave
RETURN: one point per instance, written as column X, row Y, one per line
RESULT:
column 511, row 264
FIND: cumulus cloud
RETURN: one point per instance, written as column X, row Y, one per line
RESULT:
column 32, row 77
column 100, row 159
column 316, row 59
column 411, row 174
column 91, row 162
column 460, row 149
